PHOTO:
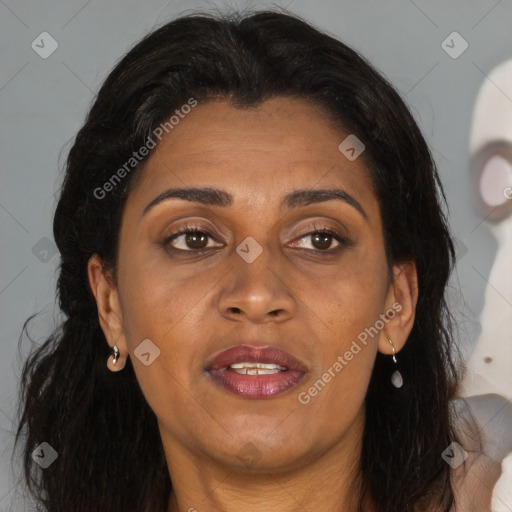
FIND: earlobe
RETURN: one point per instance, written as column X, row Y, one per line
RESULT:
column 402, row 299
column 109, row 311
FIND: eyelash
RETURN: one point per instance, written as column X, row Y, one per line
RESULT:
column 192, row 229
column 185, row 230
column 342, row 241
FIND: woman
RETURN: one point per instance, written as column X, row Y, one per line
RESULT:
column 254, row 260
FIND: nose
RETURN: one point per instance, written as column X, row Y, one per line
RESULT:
column 256, row 292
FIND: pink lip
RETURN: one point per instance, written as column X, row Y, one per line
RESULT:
column 256, row 386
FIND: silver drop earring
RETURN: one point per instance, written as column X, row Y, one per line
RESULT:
column 115, row 353
column 115, row 362
column 396, row 378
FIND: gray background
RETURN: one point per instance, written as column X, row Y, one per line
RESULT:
column 44, row 101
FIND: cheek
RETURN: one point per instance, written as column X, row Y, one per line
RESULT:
column 349, row 304
column 158, row 298
column 335, row 391
column 351, row 297
column 158, row 309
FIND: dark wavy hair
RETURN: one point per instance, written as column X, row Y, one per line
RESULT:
column 110, row 452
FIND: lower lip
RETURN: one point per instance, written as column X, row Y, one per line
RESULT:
column 256, row 386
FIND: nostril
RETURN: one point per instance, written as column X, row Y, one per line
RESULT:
column 236, row 311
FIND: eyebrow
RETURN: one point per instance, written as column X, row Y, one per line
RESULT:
column 216, row 197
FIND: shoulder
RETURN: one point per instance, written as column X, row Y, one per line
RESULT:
column 483, row 425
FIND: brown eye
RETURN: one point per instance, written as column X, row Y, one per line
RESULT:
column 191, row 240
column 322, row 241
column 196, row 240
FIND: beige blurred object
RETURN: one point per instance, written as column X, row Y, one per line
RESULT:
column 474, row 479
column 488, row 380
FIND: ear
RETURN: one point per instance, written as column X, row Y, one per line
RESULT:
column 109, row 310
column 400, row 307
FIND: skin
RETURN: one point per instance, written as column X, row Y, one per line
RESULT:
column 309, row 303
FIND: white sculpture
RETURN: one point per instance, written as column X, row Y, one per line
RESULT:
column 488, row 381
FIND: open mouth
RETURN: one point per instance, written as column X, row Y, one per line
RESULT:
column 256, row 372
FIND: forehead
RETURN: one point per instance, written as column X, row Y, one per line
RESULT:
column 280, row 145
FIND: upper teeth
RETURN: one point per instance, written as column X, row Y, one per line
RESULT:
column 256, row 368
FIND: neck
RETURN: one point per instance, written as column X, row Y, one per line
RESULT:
column 330, row 482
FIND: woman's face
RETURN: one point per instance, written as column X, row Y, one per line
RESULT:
column 260, row 275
